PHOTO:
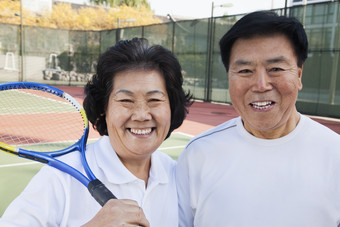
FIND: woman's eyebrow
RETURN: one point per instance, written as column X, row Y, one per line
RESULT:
column 124, row 91
column 155, row 92
column 148, row 93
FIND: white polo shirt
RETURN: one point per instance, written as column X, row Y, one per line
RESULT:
column 226, row 177
column 54, row 198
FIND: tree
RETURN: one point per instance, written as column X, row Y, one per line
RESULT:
column 131, row 3
column 137, row 3
column 94, row 18
column 112, row 3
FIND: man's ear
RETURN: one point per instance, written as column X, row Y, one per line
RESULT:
column 300, row 70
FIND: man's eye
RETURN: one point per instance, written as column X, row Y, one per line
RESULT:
column 244, row 71
column 276, row 69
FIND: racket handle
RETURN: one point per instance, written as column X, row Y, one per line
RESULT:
column 100, row 192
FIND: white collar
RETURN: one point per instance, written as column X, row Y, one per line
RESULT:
column 270, row 142
column 110, row 166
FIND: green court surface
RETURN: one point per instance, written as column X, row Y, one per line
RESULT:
column 16, row 172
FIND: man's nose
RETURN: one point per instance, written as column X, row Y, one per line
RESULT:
column 262, row 81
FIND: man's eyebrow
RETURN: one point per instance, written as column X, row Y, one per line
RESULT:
column 279, row 59
column 242, row 62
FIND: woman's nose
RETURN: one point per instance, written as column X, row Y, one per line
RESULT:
column 141, row 112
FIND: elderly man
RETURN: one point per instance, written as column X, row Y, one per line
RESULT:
column 272, row 166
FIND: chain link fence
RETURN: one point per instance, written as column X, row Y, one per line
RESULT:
column 63, row 57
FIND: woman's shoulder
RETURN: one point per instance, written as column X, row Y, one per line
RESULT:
column 164, row 158
column 163, row 161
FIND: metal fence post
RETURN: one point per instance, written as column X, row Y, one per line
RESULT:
column 21, row 75
column 207, row 97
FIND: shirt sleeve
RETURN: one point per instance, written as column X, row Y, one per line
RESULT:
column 39, row 204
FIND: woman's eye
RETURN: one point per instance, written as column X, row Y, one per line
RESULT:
column 154, row 100
column 125, row 100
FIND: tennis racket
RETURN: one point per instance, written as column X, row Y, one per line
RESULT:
column 40, row 122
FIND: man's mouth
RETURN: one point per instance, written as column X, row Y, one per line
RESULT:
column 145, row 131
column 262, row 105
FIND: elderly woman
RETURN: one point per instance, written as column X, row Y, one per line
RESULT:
column 134, row 101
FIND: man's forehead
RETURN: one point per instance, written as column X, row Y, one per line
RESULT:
column 245, row 51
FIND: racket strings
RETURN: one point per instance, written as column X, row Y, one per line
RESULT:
column 38, row 121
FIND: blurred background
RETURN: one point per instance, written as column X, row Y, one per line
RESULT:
column 59, row 42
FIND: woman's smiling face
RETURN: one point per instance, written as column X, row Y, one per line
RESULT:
column 138, row 115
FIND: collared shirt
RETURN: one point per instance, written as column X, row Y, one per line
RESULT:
column 54, row 198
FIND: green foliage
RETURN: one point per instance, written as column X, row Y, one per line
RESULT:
column 112, row 3
column 85, row 58
column 137, row 3
column 95, row 18
column 65, row 61
column 130, row 3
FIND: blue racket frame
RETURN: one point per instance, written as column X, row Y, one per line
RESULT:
column 96, row 188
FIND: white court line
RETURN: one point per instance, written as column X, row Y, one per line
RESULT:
column 184, row 134
column 33, row 163
column 64, row 102
column 19, row 164
column 324, row 118
column 170, row 148
column 45, row 98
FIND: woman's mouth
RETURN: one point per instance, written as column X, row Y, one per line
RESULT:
column 144, row 131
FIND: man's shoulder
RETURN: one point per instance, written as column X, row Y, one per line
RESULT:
column 214, row 133
column 320, row 129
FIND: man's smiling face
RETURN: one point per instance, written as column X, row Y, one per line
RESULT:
column 264, row 81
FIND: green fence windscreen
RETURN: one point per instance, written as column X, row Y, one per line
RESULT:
column 63, row 57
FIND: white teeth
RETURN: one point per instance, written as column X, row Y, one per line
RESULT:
column 141, row 131
column 261, row 105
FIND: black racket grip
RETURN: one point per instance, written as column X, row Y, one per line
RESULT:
column 100, row 192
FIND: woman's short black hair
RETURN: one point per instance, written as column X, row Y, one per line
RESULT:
column 135, row 54
column 266, row 23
